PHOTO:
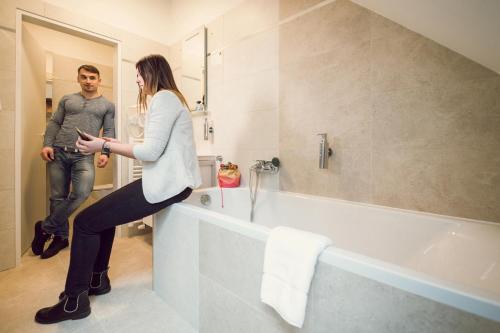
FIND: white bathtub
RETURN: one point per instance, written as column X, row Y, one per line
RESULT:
column 449, row 260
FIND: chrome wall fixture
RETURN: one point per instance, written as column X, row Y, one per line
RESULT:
column 324, row 151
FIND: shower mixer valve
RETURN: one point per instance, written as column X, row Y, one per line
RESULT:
column 260, row 167
column 263, row 166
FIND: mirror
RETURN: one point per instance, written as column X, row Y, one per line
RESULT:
column 194, row 79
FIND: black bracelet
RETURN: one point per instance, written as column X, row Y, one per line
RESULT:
column 105, row 150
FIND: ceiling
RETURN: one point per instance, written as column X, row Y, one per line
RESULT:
column 469, row 27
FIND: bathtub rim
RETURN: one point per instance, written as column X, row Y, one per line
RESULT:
column 465, row 298
column 358, row 204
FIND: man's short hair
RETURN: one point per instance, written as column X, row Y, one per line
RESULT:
column 89, row 68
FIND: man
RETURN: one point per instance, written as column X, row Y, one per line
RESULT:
column 89, row 111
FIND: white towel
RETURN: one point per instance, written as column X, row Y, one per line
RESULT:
column 289, row 262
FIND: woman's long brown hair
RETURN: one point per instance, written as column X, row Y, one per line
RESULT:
column 157, row 76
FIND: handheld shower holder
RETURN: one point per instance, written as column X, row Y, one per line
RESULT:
column 324, row 151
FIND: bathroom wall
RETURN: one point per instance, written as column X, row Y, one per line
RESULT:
column 242, row 86
column 133, row 47
column 464, row 26
column 7, row 119
column 188, row 15
column 412, row 124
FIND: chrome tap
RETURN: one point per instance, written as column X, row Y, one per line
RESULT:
column 263, row 166
column 259, row 167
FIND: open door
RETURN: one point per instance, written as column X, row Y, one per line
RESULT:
column 33, row 176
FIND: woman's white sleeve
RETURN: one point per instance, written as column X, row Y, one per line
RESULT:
column 163, row 113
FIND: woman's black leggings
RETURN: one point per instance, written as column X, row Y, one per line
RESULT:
column 94, row 231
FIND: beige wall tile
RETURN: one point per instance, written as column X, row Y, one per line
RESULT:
column 410, row 60
column 248, row 18
column 216, row 97
column 413, row 124
column 7, row 220
column 215, row 68
column 299, row 172
column 7, row 50
column 8, row 10
column 255, row 54
column 335, row 26
column 295, row 130
column 135, row 47
column 215, row 34
column 7, row 119
column 321, row 81
column 7, row 90
column 175, row 55
column 436, row 118
column 258, row 91
column 349, row 123
column 458, row 182
column 252, row 130
column 292, row 7
column 8, row 14
column 350, row 174
column 7, row 249
column 82, row 21
column 7, row 169
column 129, row 77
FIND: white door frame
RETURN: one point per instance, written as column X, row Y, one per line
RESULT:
column 21, row 16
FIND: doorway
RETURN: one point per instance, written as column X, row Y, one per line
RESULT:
column 48, row 54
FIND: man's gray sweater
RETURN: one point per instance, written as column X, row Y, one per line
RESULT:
column 89, row 115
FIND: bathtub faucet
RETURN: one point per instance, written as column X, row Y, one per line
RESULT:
column 262, row 166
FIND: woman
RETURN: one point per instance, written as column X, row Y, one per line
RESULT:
column 170, row 173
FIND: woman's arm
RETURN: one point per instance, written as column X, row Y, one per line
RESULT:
column 124, row 149
column 163, row 113
column 93, row 145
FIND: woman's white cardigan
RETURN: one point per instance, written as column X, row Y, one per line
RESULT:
column 170, row 162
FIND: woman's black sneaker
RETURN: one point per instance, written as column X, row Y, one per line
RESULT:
column 41, row 237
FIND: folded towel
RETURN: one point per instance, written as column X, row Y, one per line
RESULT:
column 289, row 262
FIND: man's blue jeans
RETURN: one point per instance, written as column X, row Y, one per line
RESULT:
column 67, row 168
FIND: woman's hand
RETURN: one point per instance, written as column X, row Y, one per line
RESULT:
column 91, row 146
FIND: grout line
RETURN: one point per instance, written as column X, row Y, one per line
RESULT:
column 277, row 25
column 7, row 28
column 306, row 11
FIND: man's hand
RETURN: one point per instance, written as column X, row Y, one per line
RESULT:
column 102, row 161
column 47, row 154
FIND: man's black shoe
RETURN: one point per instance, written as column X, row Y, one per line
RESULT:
column 67, row 308
column 41, row 237
column 55, row 246
column 99, row 285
